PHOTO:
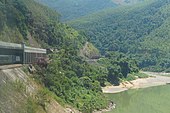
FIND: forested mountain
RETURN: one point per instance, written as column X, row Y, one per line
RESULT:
column 141, row 31
column 126, row 2
column 72, row 9
column 23, row 20
column 68, row 75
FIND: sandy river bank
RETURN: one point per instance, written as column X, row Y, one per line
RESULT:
column 155, row 79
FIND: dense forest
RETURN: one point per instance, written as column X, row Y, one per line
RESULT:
column 140, row 32
column 126, row 2
column 23, row 20
column 73, row 9
column 68, row 75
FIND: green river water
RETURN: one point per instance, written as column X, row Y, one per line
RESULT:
column 149, row 100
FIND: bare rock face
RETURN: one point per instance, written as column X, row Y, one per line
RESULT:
column 89, row 51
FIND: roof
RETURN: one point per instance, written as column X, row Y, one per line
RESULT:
column 27, row 49
column 7, row 45
column 34, row 50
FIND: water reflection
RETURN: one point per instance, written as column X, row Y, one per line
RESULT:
column 149, row 100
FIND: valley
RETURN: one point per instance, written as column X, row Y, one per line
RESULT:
column 141, row 32
column 91, row 47
column 73, row 9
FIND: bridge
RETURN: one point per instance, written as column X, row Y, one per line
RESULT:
column 12, row 53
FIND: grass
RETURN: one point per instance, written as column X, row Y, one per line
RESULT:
column 142, row 75
column 134, row 76
column 19, row 86
column 167, row 75
column 130, row 77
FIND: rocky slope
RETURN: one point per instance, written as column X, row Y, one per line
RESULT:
column 19, row 92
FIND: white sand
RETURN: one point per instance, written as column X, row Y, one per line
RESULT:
column 155, row 80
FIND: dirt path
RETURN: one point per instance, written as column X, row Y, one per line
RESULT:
column 155, row 80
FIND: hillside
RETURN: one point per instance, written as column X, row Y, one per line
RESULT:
column 20, row 93
column 68, row 77
column 89, row 51
column 140, row 31
column 28, row 21
column 72, row 9
column 126, row 2
column 22, row 19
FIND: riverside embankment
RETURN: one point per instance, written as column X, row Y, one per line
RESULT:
column 154, row 79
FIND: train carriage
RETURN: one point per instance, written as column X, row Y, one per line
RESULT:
column 10, row 59
column 11, row 53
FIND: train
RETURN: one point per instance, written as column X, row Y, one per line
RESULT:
column 11, row 53
column 10, row 59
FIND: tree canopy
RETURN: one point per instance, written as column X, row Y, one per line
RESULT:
column 140, row 31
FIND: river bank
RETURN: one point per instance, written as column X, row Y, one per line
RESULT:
column 155, row 79
column 110, row 107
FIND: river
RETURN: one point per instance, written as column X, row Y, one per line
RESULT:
column 149, row 100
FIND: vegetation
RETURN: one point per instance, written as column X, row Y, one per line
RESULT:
column 13, row 98
column 118, row 67
column 75, row 81
column 68, row 75
column 133, row 76
column 141, row 32
column 79, row 83
column 125, row 2
column 27, row 20
column 89, row 51
column 73, row 9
